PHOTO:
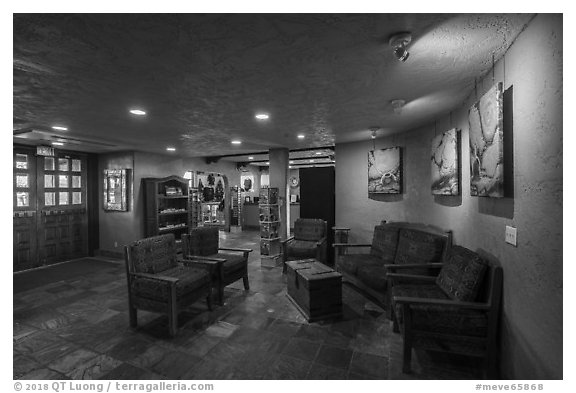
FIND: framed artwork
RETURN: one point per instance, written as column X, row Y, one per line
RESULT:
column 444, row 164
column 486, row 145
column 385, row 171
column 115, row 190
column 247, row 183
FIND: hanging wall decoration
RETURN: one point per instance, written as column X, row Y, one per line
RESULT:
column 486, row 145
column 444, row 164
column 115, row 190
column 384, row 171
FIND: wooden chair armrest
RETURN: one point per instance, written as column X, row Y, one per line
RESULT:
column 287, row 240
column 410, row 277
column 246, row 250
column 440, row 302
column 189, row 261
column 341, row 229
column 157, row 277
column 350, row 245
column 413, row 265
column 319, row 242
column 200, row 258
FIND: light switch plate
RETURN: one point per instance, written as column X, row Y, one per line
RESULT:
column 511, row 235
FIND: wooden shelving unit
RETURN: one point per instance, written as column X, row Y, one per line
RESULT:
column 167, row 203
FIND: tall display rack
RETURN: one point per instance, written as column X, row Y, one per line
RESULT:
column 269, row 212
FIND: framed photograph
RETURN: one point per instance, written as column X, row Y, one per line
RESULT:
column 486, row 119
column 247, row 183
column 115, row 190
column 444, row 164
column 246, row 199
column 385, row 171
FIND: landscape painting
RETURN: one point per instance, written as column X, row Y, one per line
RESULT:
column 444, row 164
column 486, row 145
column 385, row 171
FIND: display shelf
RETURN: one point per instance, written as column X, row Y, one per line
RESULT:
column 167, row 213
column 269, row 218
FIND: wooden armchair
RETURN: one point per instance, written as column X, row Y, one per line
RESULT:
column 201, row 245
column 309, row 241
column 158, row 282
column 456, row 311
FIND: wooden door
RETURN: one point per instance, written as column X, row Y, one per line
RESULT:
column 52, row 225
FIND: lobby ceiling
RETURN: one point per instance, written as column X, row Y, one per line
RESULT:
column 202, row 78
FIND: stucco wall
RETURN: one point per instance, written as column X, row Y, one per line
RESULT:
column 531, row 325
column 125, row 227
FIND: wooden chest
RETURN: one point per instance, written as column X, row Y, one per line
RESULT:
column 315, row 289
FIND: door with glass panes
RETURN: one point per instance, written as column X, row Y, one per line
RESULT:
column 50, row 215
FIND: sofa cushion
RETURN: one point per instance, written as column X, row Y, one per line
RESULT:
column 351, row 262
column 416, row 246
column 429, row 291
column 153, row 254
column 309, row 229
column 301, row 248
column 373, row 277
column 384, row 242
column 189, row 280
column 462, row 274
column 233, row 262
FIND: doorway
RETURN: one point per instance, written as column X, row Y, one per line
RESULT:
column 317, row 199
column 50, row 216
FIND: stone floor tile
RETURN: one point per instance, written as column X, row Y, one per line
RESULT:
column 301, row 349
column 334, row 357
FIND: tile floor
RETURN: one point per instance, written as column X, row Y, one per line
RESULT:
column 78, row 329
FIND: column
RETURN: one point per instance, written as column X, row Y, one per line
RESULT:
column 279, row 161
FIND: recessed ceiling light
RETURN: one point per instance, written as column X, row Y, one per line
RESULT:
column 262, row 116
column 291, row 162
column 268, row 163
column 301, row 136
column 59, row 128
column 57, row 143
column 311, row 160
column 318, row 153
column 138, row 112
column 250, row 158
column 290, row 166
column 170, row 148
column 236, row 142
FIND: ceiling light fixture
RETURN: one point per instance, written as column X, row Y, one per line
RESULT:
column 59, row 128
column 318, row 153
column 55, row 143
column 311, row 160
column 236, row 142
column 291, row 162
column 301, row 136
column 399, row 41
column 250, row 158
column 268, row 163
column 262, row 116
column 170, row 148
column 138, row 112
column 397, row 106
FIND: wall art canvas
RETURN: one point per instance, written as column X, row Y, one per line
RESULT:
column 115, row 190
column 247, row 183
column 444, row 164
column 384, row 171
column 486, row 145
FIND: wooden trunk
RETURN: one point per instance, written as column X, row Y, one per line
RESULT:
column 315, row 289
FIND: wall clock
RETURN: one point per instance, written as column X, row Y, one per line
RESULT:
column 294, row 182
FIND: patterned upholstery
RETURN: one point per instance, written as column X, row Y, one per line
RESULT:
column 384, row 243
column 301, row 249
column 416, row 246
column 310, row 229
column 351, row 262
column 373, row 276
column 415, row 290
column 462, row 274
column 203, row 241
column 189, row 279
column 154, row 254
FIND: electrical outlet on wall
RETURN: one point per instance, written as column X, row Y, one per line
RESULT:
column 510, row 235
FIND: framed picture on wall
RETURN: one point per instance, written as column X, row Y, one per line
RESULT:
column 115, row 190
column 247, row 183
column 385, row 171
column 444, row 164
column 486, row 119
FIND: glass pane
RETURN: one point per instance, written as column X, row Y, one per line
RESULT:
column 63, row 198
column 63, row 164
column 22, row 181
column 76, row 165
column 76, row 198
column 21, row 199
column 48, row 163
column 76, row 181
column 21, row 161
column 63, row 181
column 49, row 181
column 49, row 198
